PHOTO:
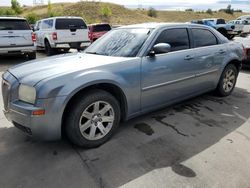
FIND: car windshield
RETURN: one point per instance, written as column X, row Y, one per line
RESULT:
column 120, row 43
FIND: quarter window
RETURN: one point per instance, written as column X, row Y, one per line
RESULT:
column 203, row 37
column 177, row 38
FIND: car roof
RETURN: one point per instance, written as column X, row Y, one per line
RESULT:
column 62, row 17
column 155, row 25
column 11, row 18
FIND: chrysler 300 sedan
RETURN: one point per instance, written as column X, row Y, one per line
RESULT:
column 129, row 71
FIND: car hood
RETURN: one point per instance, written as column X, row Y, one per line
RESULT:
column 35, row 71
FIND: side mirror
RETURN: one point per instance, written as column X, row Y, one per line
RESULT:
column 160, row 48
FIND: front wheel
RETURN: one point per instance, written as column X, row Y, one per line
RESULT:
column 227, row 81
column 93, row 119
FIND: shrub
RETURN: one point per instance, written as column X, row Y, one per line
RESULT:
column 106, row 11
column 152, row 12
column 189, row 10
column 32, row 18
column 209, row 11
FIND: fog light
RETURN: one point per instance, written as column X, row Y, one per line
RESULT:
column 38, row 112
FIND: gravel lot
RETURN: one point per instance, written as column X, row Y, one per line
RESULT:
column 203, row 142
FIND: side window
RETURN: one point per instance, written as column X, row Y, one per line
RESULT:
column 177, row 38
column 38, row 26
column 203, row 37
column 47, row 24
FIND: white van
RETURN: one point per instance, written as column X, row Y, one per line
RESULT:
column 16, row 37
column 61, row 33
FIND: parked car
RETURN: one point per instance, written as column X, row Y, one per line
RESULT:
column 245, row 17
column 228, row 30
column 129, row 71
column 245, row 41
column 98, row 30
column 61, row 33
column 16, row 37
column 242, row 25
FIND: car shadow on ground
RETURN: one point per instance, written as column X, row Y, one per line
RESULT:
column 160, row 139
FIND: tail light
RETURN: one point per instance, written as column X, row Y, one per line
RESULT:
column 54, row 36
column 33, row 37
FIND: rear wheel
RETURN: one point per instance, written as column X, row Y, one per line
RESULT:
column 49, row 51
column 227, row 81
column 93, row 119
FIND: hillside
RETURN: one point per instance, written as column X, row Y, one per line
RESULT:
column 91, row 12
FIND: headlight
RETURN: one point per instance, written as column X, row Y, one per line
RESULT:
column 27, row 93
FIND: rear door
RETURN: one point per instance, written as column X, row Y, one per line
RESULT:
column 209, row 55
column 15, row 33
column 71, row 30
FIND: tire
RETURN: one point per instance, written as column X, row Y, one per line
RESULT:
column 223, row 32
column 49, row 51
column 227, row 81
column 94, row 130
column 32, row 55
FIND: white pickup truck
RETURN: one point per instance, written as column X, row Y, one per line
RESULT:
column 61, row 33
column 16, row 37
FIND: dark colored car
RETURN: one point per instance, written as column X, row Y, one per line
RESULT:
column 97, row 30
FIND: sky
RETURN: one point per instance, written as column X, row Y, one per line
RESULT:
column 162, row 4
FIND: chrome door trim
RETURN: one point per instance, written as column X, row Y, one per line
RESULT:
column 168, row 83
column 207, row 72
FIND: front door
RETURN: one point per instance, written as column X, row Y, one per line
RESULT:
column 171, row 76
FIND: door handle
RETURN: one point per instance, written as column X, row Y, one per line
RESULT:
column 189, row 57
column 221, row 51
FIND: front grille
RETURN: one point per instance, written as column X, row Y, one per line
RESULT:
column 23, row 128
column 6, row 94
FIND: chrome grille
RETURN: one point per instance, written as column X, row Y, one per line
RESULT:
column 6, row 94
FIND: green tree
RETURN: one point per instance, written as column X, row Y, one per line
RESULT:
column 209, row 11
column 229, row 10
column 15, row 5
column 152, row 12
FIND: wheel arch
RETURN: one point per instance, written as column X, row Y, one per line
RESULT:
column 111, row 88
column 236, row 63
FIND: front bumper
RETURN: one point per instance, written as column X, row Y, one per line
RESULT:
column 43, row 127
column 233, row 32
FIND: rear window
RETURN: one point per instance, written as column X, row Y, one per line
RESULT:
column 70, row 24
column 221, row 21
column 100, row 28
column 11, row 24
